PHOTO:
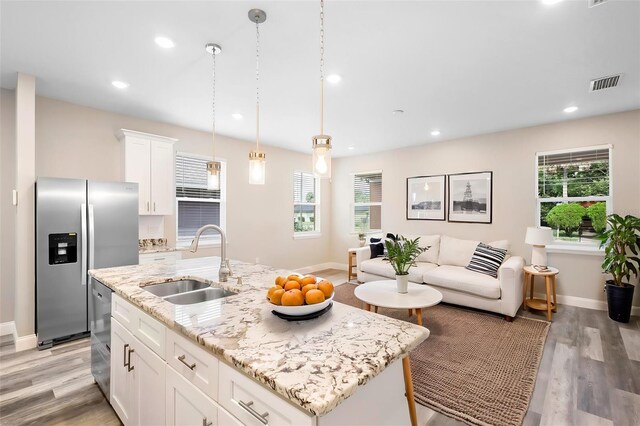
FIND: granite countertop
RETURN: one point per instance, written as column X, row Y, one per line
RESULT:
column 155, row 249
column 315, row 364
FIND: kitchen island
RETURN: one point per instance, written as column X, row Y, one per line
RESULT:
column 314, row 365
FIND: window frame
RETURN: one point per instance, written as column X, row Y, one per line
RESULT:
column 353, row 204
column 573, row 247
column 318, row 231
column 208, row 239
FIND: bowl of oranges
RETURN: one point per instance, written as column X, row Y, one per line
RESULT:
column 299, row 295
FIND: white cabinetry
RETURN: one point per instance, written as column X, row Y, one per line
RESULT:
column 137, row 379
column 149, row 161
column 186, row 405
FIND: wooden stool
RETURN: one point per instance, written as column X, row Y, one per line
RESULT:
column 352, row 272
column 550, row 284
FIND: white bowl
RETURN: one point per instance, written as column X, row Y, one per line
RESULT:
column 301, row 310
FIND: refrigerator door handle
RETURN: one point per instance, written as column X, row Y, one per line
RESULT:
column 91, row 237
column 83, row 239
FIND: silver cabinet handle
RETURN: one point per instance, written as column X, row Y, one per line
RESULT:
column 206, row 423
column 126, row 346
column 189, row 366
column 147, row 206
column 248, row 407
column 154, row 206
column 130, row 367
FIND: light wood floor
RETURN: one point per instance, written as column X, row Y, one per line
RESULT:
column 589, row 375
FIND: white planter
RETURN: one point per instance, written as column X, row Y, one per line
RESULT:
column 402, row 281
column 362, row 243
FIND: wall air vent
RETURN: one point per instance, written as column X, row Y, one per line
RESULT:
column 593, row 3
column 604, row 83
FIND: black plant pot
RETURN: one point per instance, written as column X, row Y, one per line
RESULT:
column 619, row 300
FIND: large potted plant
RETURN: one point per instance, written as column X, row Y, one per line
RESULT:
column 621, row 242
column 402, row 254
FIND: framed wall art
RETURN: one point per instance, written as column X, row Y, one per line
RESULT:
column 471, row 197
column 426, row 197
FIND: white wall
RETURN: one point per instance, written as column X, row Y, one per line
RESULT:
column 7, row 211
column 510, row 155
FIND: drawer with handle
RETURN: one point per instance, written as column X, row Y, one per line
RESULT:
column 254, row 404
column 194, row 363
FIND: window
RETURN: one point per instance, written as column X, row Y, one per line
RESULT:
column 574, row 192
column 367, row 202
column 197, row 205
column 306, row 204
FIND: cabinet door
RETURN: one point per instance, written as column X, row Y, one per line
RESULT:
column 162, row 178
column 137, row 165
column 121, row 391
column 186, row 405
column 149, row 385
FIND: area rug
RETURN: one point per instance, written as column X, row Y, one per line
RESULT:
column 475, row 366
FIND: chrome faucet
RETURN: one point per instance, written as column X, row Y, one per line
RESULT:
column 225, row 269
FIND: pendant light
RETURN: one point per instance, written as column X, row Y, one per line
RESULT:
column 214, row 168
column 257, row 158
column 322, row 143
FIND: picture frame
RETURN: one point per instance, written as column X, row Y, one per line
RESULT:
column 426, row 197
column 470, row 197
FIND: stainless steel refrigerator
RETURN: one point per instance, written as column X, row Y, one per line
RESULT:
column 80, row 225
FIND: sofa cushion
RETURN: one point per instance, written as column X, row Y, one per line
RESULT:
column 487, row 260
column 383, row 268
column 431, row 241
column 456, row 252
column 461, row 279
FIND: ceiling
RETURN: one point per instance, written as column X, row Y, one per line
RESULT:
column 463, row 67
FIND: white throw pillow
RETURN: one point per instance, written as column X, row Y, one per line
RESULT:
column 456, row 252
column 432, row 241
column 500, row 244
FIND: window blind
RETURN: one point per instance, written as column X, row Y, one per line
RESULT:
column 582, row 173
column 304, row 188
column 191, row 178
column 367, row 188
column 195, row 214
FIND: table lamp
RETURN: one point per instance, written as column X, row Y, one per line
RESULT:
column 539, row 237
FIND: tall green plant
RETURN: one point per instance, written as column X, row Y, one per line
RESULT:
column 402, row 253
column 622, row 237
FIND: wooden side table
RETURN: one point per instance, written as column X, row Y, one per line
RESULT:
column 550, row 284
column 352, row 272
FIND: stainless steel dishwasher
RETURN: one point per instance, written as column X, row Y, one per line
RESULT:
column 100, row 324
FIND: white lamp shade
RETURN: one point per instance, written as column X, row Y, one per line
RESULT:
column 539, row 236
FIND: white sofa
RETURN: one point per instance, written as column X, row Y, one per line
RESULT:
column 443, row 268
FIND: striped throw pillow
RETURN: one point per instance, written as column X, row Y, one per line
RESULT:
column 487, row 260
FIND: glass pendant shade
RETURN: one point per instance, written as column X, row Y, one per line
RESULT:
column 322, row 156
column 213, row 175
column 257, row 167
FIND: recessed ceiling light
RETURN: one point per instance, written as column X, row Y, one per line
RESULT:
column 237, row 116
column 570, row 109
column 398, row 111
column 435, row 132
column 551, row 1
column 120, row 84
column 164, row 42
column 351, row 148
column 333, row 78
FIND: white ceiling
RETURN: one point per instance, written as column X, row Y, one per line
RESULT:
column 464, row 67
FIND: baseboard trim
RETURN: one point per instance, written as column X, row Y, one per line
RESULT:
column 583, row 302
column 27, row 342
column 7, row 328
column 322, row 266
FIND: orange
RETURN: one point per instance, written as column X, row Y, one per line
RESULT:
column 326, row 287
column 308, row 287
column 272, row 289
column 309, row 279
column 293, row 277
column 290, row 285
column 292, row 298
column 276, row 296
column 280, row 280
column 314, row 296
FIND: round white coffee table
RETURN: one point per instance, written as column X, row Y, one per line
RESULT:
column 385, row 294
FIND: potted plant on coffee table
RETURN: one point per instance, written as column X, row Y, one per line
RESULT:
column 402, row 254
column 621, row 242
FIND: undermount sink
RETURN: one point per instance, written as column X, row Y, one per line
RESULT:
column 199, row 296
column 175, row 287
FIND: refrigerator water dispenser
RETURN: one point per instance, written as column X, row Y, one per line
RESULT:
column 63, row 248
